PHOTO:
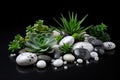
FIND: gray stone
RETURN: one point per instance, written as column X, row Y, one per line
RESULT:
column 99, row 50
column 82, row 53
column 57, row 54
column 96, row 42
column 44, row 57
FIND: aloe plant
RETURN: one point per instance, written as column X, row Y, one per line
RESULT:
column 72, row 25
column 40, row 42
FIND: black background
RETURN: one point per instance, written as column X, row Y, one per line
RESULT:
column 17, row 16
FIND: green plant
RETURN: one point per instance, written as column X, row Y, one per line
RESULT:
column 98, row 31
column 78, row 37
column 58, row 38
column 40, row 42
column 72, row 26
column 66, row 48
column 17, row 43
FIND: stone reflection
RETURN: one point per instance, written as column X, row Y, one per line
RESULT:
column 24, row 70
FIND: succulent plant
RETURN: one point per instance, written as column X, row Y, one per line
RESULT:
column 40, row 42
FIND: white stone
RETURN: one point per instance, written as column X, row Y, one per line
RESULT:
column 94, row 54
column 84, row 45
column 96, row 58
column 69, row 57
column 67, row 40
column 41, row 64
column 65, row 67
column 58, row 62
column 80, row 61
column 55, row 33
column 26, row 58
column 109, row 45
column 65, row 62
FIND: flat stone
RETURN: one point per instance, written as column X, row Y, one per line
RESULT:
column 96, row 42
column 45, row 58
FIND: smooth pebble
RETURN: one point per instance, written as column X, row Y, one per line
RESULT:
column 67, row 40
column 58, row 62
column 109, row 45
column 69, row 57
column 80, row 61
column 41, row 64
column 84, row 45
column 94, row 54
column 25, row 59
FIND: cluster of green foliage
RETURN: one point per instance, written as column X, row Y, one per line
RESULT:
column 98, row 31
column 16, row 44
column 72, row 25
column 66, row 48
column 39, row 37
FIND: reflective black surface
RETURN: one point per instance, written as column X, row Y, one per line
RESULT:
column 16, row 20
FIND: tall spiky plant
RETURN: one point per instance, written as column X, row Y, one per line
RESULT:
column 72, row 25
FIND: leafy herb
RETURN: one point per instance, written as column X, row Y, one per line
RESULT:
column 66, row 48
column 72, row 26
column 58, row 38
column 16, row 44
column 98, row 31
column 78, row 37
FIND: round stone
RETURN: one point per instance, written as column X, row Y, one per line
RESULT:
column 41, row 64
column 84, row 45
column 94, row 54
column 80, row 61
column 44, row 57
column 65, row 67
column 25, row 59
column 67, row 40
column 69, row 57
column 109, row 45
column 58, row 62
column 96, row 58
column 82, row 53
